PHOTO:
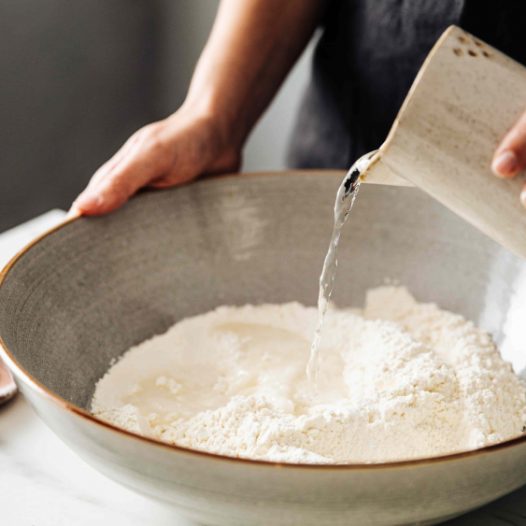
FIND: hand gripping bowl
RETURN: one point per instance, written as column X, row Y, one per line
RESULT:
column 91, row 288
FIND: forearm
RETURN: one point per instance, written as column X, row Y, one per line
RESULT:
column 253, row 45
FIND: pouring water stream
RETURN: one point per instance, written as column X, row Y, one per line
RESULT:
column 345, row 198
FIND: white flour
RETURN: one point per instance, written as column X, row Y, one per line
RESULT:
column 398, row 380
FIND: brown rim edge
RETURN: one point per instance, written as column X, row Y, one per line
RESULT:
column 41, row 389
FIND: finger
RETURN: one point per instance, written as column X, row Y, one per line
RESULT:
column 113, row 190
column 510, row 156
column 88, row 201
column 115, row 182
column 176, row 177
column 162, row 183
column 124, row 151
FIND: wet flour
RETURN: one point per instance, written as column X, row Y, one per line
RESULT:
column 406, row 380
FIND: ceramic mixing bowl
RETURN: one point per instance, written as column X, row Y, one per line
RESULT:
column 88, row 290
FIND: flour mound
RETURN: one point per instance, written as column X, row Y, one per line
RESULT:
column 398, row 380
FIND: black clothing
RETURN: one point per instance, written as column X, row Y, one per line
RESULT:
column 366, row 60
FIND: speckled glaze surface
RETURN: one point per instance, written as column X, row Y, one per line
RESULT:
column 466, row 96
column 87, row 291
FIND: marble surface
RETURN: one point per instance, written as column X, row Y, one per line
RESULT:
column 43, row 483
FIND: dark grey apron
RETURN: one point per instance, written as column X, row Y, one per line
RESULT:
column 366, row 60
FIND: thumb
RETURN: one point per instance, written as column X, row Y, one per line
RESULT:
column 145, row 159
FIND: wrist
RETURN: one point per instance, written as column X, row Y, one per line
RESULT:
column 221, row 112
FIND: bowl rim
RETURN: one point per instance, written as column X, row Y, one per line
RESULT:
column 21, row 373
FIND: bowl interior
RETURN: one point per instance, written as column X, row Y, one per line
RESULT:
column 84, row 294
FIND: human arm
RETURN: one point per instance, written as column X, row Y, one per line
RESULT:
column 252, row 46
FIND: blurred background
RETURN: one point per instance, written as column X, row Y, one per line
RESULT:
column 79, row 77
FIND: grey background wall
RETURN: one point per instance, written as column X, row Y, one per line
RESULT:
column 79, row 77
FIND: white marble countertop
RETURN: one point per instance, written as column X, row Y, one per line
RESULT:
column 43, row 483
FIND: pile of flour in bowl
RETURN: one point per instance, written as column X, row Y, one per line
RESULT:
column 398, row 380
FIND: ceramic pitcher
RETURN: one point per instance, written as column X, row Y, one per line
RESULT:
column 466, row 96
